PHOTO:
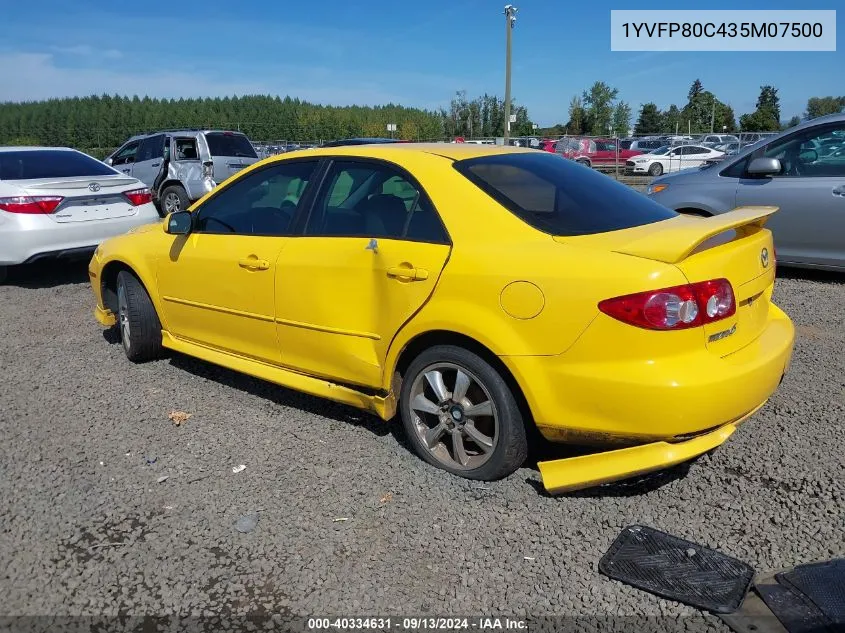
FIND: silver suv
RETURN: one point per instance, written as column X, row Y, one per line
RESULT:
column 180, row 166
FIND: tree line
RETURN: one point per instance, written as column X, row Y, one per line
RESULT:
column 599, row 111
column 99, row 123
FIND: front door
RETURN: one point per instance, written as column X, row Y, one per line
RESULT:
column 148, row 159
column 810, row 192
column 370, row 258
column 217, row 285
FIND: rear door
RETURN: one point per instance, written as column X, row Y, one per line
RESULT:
column 148, row 159
column 230, row 152
column 370, row 258
column 810, row 191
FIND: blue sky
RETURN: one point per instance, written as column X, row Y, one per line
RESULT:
column 413, row 53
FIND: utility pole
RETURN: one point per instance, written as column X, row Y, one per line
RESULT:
column 510, row 20
column 712, row 114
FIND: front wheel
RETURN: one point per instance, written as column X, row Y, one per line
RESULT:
column 460, row 415
column 140, row 329
column 655, row 170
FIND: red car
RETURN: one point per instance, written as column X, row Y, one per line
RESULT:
column 547, row 145
column 594, row 152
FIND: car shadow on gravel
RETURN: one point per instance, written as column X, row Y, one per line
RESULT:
column 811, row 274
column 48, row 274
column 280, row 395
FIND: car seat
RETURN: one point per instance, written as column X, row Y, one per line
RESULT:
column 384, row 215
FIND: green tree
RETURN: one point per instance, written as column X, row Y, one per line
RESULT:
column 820, row 106
column 793, row 122
column 766, row 118
column 577, row 116
column 599, row 100
column 621, row 119
column 672, row 119
column 650, row 120
column 695, row 90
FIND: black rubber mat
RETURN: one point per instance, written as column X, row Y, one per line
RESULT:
column 816, row 597
column 677, row 569
column 796, row 613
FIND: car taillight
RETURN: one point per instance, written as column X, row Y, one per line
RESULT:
column 30, row 204
column 138, row 196
column 674, row 308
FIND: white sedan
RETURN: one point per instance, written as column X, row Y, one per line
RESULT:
column 58, row 202
column 671, row 158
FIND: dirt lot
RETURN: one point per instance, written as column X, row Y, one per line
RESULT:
column 351, row 523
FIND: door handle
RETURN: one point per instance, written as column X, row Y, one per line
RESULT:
column 406, row 272
column 253, row 263
column 155, row 164
column 839, row 191
column 125, row 171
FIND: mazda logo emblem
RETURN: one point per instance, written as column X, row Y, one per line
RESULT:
column 764, row 257
column 94, row 187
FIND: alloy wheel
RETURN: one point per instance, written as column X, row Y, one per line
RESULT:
column 453, row 415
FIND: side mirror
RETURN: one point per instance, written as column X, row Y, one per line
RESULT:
column 764, row 167
column 179, row 223
column 108, row 161
column 672, row 154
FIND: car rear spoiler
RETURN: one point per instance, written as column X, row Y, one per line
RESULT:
column 681, row 236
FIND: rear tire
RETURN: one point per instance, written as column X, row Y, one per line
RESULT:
column 140, row 328
column 174, row 198
column 655, row 170
column 460, row 415
column 4, row 273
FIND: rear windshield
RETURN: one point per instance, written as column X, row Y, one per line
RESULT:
column 228, row 144
column 557, row 196
column 50, row 163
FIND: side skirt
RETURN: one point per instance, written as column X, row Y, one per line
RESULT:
column 383, row 406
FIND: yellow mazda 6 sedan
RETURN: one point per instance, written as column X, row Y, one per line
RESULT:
column 477, row 290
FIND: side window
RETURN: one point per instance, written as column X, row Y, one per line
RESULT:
column 185, row 149
column 263, row 202
column 151, row 148
column 807, row 153
column 126, row 155
column 697, row 150
column 737, row 170
column 373, row 200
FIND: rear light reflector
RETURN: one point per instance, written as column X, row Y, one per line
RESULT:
column 30, row 204
column 675, row 308
column 138, row 196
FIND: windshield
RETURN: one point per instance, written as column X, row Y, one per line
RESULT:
column 229, row 144
column 50, row 163
column 558, row 196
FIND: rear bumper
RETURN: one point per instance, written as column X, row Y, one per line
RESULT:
column 25, row 238
column 575, row 473
column 634, row 400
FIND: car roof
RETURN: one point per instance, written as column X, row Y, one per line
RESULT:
column 454, row 151
column 34, row 148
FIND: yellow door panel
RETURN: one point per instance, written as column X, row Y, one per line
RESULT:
column 218, row 290
column 339, row 303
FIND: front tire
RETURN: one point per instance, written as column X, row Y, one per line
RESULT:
column 140, row 329
column 655, row 170
column 460, row 415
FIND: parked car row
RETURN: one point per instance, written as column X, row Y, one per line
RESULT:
column 800, row 171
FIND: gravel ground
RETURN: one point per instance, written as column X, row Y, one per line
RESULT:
column 350, row 522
